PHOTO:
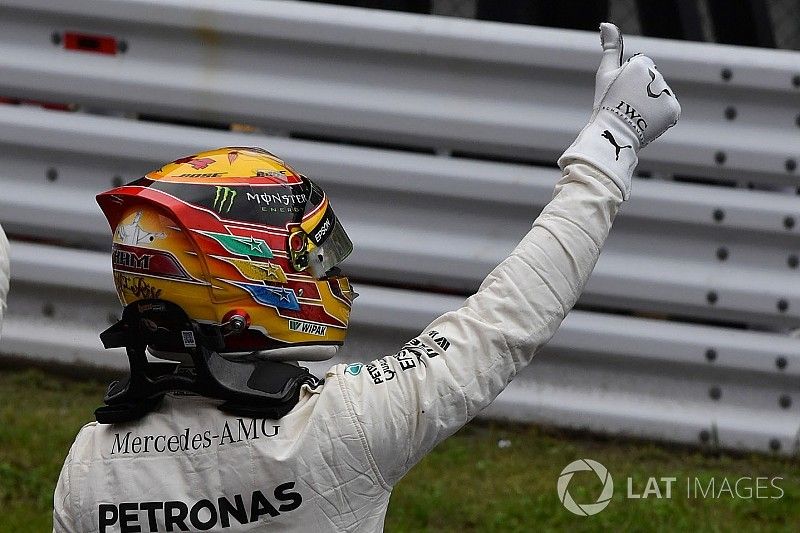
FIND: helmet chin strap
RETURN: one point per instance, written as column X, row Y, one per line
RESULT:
column 255, row 388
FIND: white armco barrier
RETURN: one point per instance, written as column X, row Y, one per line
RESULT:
column 430, row 82
column 427, row 132
column 609, row 373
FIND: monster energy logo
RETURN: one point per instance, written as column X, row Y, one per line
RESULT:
column 225, row 195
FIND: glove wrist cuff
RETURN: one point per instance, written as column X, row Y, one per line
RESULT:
column 609, row 148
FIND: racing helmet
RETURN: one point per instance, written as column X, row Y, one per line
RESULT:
column 241, row 241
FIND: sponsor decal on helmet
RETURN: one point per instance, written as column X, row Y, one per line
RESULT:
column 278, row 203
column 276, row 199
column 324, row 227
column 320, row 233
column 129, row 259
column 308, row 327
column 223, row 200
column 202, row 515
column 137, row 286
column 248, row 246
column 148, row 261
column 279, row 297
column 277, row 174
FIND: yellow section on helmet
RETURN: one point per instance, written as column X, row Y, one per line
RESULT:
column 312, row 221
column 257, row 271
column 225, row 163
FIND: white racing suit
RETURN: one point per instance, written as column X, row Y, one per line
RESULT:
column 331, row 463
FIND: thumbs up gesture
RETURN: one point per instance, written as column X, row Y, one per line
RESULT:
column 633, row 106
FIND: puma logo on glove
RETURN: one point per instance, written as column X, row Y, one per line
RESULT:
column 633, row 106
column 613, row 141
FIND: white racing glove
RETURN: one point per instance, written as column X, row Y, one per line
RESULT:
column 633, row 106
column 4, row 274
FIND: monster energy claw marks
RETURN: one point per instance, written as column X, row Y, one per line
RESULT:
column 223, row 200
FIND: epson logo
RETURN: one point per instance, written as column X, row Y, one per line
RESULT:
column 323, row 230
column 203, row 515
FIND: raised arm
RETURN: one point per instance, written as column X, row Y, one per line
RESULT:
column 405, row 404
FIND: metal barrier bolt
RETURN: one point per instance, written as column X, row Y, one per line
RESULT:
column 715, row 393
column 781, row 363
column 55, row 38
column 783, row 305
column 52, row 174
column 711, row 355
column 774, row 445
column 793, row 261
column 712, row 297
column 788, row 222
column 785, row 401
column 791, row 165
column 719, row 215
column 722, row 253
column 48, row 310
column 720, row 157
column 705, row 435
column 730, row 112
column 726, row 74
